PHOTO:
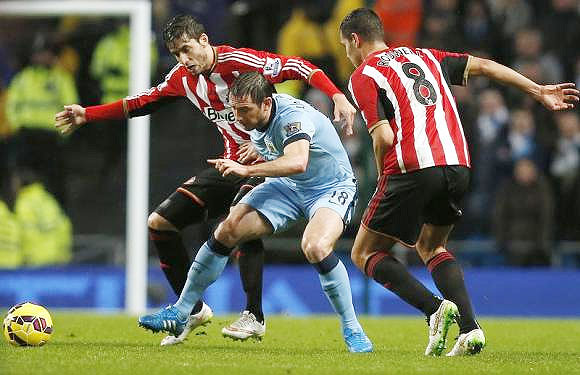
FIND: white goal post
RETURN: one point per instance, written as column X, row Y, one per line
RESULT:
column 139, row 13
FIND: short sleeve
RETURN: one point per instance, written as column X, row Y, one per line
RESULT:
column 294, row 129
column 454, row 65
column 371, row 100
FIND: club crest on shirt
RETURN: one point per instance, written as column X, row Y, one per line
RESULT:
column 270, row 146
column 292, row 128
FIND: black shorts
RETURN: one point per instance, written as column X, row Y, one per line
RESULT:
column 206, row 195
column 402, row 203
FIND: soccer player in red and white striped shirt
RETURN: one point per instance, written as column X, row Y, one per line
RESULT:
column 423, row 163
column 204, row 74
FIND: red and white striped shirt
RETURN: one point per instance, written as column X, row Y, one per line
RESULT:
column 208, row 92
column 409, row 87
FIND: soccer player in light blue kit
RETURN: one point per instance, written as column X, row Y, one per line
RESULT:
column 310, row 177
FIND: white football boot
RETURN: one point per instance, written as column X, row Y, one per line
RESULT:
column 439, row 323
column 245, row 327
column 469, row 343
column 202, row 318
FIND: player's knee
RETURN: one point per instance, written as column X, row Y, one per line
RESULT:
column 357, row 257
column 158, row 222
column 226, row 233
column 426, row 249
column 315, row 249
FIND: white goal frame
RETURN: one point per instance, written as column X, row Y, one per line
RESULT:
column 139, row 13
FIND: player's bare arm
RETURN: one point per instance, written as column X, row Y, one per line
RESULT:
column 69, row 120
column 383, row 137
column 557, row 97
column 294, row 160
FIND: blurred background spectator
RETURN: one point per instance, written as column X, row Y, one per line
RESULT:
column 10, row 231
column 33, row 96
column 35, row 232
column 490, row 128
column 523, row 217
column 526, row 161
column 45, row 230
column 565, row 171
column 401, row 20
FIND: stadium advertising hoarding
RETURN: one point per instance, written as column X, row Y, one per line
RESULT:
column 294, row 290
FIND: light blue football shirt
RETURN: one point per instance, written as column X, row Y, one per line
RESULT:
column 293, row 119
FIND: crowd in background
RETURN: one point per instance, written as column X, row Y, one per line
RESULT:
column 526, row 160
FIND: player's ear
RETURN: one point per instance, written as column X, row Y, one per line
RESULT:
column 355, row 40
column 267, row 102
column 203, row 39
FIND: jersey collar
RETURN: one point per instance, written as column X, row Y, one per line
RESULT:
column 215, row 61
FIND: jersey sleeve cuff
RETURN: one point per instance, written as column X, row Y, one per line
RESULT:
column 466, row 72
column 376, row 125
column 295, row 138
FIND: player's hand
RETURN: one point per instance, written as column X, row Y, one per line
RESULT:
column 344, row 113
column 559, row 97
column 69, row 120
column 227, row 167
column 247, row 153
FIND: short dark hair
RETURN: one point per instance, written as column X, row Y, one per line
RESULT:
column 252, row 84
column 180, row 25
column 364, row 22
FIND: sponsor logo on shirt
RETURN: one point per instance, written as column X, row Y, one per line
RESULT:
column 273, row 67
column 224, row 115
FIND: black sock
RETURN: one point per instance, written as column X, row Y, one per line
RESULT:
column 173, row 259
column 251, row 263
column 393, row 275
column 448, row 277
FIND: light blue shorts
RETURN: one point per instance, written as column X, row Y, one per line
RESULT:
column 282, row 204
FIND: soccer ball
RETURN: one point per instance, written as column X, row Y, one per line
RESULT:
column 27, row 324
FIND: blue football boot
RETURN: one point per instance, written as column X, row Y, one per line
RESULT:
column 167, row 320
column 357, row 341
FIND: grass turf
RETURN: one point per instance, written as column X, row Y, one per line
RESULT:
column 113, row 344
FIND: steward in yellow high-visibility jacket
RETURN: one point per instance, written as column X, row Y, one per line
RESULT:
column 110, row 64
column 11, row 255
column 36, row 93
column 32, row 98
column 46, row 230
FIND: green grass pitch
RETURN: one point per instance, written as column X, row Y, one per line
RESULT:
column 113, row 344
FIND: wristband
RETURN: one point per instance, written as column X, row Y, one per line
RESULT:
column 110, row 111
column 321, row 81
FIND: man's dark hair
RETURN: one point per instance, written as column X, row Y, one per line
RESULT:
column 252, row 84
column 181, row 25
column 364, row 22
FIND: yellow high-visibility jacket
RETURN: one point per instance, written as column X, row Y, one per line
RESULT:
column 110, row 64
column 36, row 94
column 11, row 255
column 46, row 230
